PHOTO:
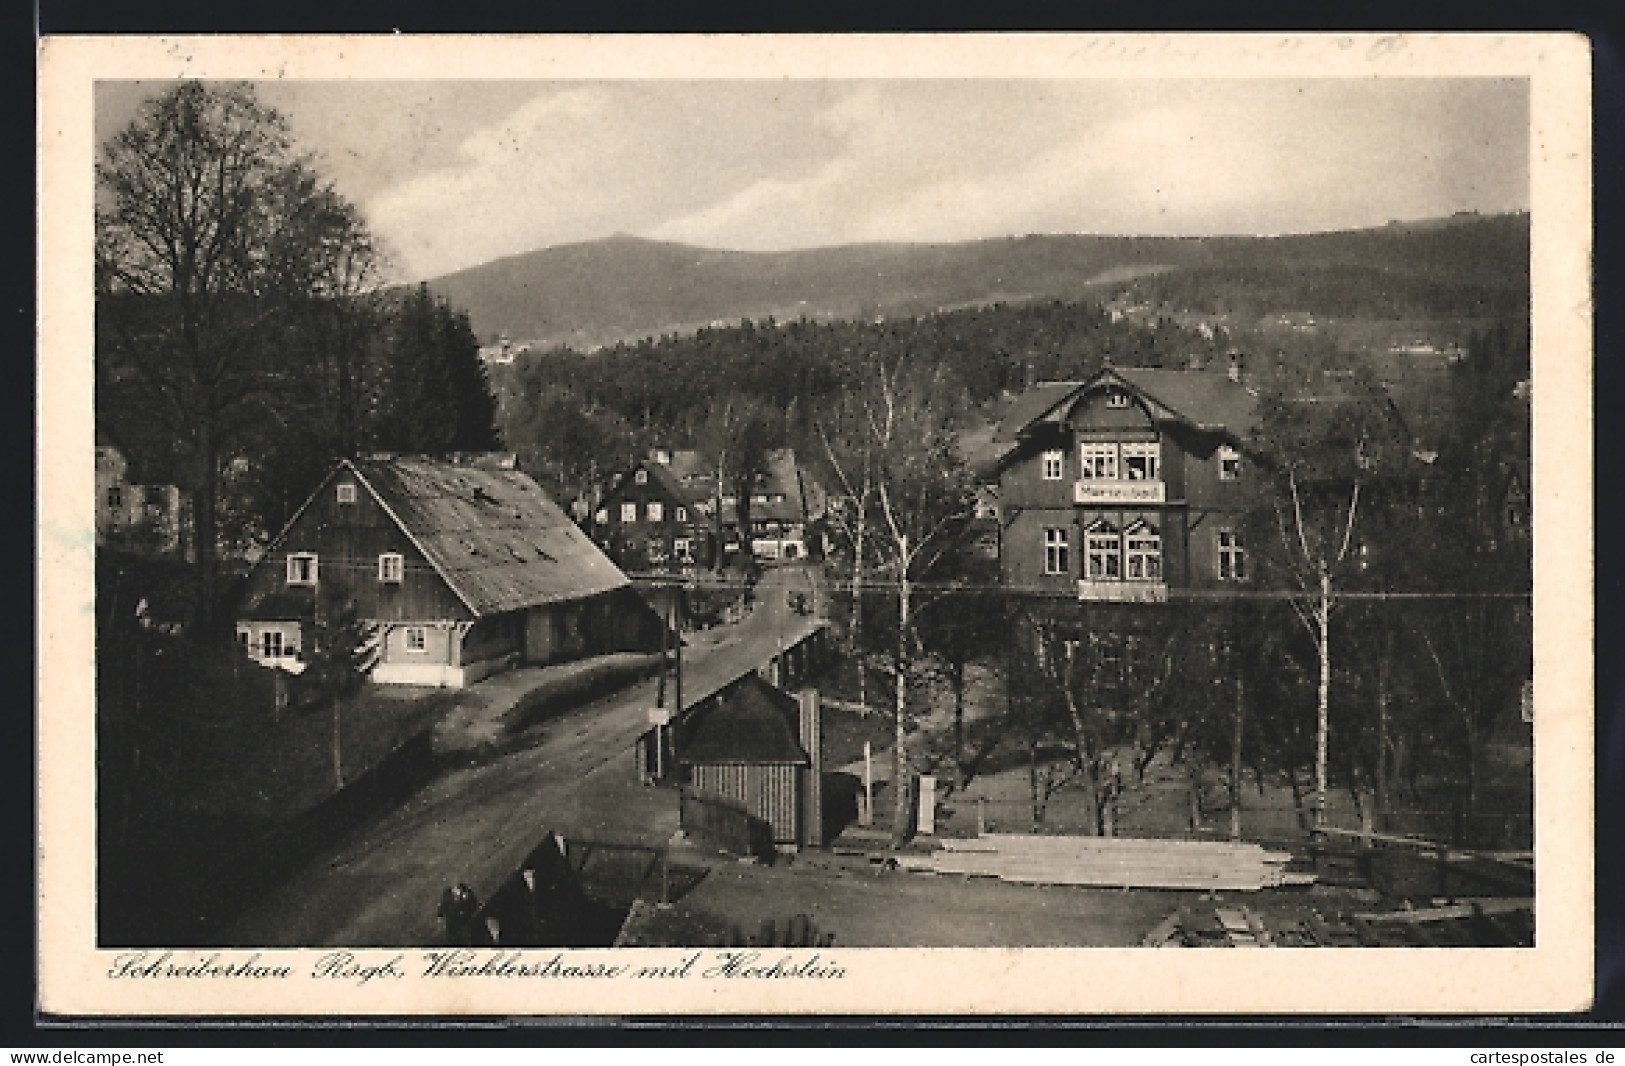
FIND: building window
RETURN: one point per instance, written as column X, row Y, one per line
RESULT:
column 391, row 567
column 115, row 497
column 346, row 492
column 680, row 514
column 1097, row 462
column 1142, row 555
column 1140, row 461
column 271, row 644
column 641, row 477
column 657, row 511
column 1056, row 552
column 601, row 516
column 1229, row 463
column 1054, row 465
column 1117, row 399
column 1103, row 553
column 629, row 512
column 417, row 639
column 680, row 547
column 1232, row 557
column 302, row 569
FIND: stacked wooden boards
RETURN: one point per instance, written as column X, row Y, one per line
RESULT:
column 1485, row 922
column 1112, row 862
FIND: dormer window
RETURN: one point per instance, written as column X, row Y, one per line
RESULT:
column 1140, row 461
column 302, row 568
column 1054, row 464
column 1117, row 399
column 346, row 492
column 1097, row 461
column 1229, row 463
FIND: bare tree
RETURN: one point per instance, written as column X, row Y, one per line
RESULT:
column 210, row 232
column 904, row 444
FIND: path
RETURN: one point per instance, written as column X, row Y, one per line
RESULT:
column 381, row 885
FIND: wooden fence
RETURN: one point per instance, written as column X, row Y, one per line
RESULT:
column 725, row 822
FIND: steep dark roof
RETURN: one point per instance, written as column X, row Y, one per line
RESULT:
column 494, row 536
column 803, row 499
column 662, row 475
column 1028, row 407
column 1206, row 399
column 283, row 606
column 982, row 451
column 750, row 721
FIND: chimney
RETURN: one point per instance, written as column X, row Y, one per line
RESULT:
column 661, row 456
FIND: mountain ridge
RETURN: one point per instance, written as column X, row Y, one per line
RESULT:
column 587, row 294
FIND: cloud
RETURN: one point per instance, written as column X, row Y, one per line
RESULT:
column 770, row 165
column 526, row 177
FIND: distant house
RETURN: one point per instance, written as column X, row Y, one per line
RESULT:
column 784, row 502
column 649, row 521
column 464, row 568
column 661, row 514
column 145, row 519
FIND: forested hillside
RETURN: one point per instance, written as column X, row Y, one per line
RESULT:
column 572, row 416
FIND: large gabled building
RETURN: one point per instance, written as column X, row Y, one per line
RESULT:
column 464, row 568
column 1127, row 485
column 649, row 520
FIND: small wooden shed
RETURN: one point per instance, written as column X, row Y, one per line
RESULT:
column 757, row 745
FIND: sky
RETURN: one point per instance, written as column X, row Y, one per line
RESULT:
column 451, row 174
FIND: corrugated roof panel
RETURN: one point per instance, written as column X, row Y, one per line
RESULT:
column 498, row 540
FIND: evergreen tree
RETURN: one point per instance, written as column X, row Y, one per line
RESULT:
column 433, row 395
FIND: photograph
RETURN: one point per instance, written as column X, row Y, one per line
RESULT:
column 724, row 524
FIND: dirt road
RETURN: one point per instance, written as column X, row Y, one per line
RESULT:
column 381, row 885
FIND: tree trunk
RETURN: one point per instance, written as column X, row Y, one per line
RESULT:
column 857, row 615
column 956, row 679
column 1475, row 744
column 900, row 783
column 721, row 528
column 1193, row 775
column 1323, row 614
column 204, row 519
column 338, row 743
column 1383, row 699
column 1235, row 759
column 1032, row 778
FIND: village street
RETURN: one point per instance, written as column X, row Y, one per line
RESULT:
column 381, row 885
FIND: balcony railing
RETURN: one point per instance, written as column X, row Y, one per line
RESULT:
column 1105, row 490
column 1112, row 591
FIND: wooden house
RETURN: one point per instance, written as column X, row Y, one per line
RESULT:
column 146, row 519
column 758, row 746
column 650, row 521
column 464, row 568
column 1126, row 485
